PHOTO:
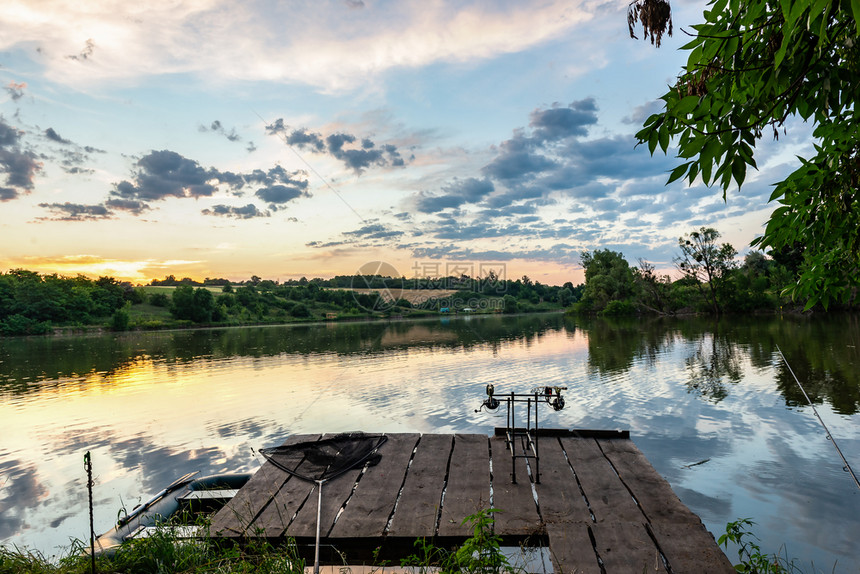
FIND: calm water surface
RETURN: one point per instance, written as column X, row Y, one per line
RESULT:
column 154, row 406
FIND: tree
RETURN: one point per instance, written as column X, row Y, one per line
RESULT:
column 701, row 259
column 653, row 288
column 607, row 278
column 752, row 66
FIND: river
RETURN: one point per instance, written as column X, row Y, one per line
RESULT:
column 154, row 406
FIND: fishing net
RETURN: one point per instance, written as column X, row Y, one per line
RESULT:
column 323, row 460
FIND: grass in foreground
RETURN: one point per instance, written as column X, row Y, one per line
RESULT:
column 164, row 553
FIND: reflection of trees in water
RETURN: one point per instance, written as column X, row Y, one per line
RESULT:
column 824, row 351
column 715, row 361
column 27, row 365
column 615, row 344
column 825, row 356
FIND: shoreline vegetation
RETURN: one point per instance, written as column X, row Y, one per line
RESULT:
column 712, row 281
column 165, row 551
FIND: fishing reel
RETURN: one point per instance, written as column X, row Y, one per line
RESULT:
column 491, row 403
column 552, row 395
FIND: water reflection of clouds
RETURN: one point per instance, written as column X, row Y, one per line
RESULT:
column 206, row 404
column 20, row 493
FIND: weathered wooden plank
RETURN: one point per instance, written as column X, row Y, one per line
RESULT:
column 626, row 547
column 606, row 494
column 240, row 512
column 275, row 518
column 468, row 487
column 690, row 547
column 370, row 507
column 415, row 515
column 516, row 502
column 559, row 497
column 334, row 494
column 571, row 550
column 654, row 494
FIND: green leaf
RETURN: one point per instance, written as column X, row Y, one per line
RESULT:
column 652, row 141
column 855, row 8
column 685, row 106
column 663, row 136
column 678, row 172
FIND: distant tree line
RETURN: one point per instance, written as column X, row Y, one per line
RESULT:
column 31, row 304
column 711, row 280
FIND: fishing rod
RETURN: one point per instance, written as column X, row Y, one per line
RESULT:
column 830, row 436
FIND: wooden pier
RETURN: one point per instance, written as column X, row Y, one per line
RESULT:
column 599, row 505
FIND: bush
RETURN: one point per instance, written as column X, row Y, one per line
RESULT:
column 120, row 319
column 300, row 311
column 159, row 299
column 21, row 325
column 619, row 308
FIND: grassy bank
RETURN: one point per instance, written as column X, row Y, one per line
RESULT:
column 164, row 553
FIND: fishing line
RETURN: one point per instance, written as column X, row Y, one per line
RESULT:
column 830, row 436
column 315, row 172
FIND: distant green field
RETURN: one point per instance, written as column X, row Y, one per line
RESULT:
column 169, row 288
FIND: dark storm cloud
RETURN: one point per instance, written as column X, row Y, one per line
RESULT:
column 218, row 128
column 17, row 166
column 16, row 90
column 249, row 211
column 76, row 211
column 356, row 153
column 54, row 136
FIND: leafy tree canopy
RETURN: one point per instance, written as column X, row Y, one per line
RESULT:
column 753, row 64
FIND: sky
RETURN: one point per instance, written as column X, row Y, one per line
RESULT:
column 207, row 138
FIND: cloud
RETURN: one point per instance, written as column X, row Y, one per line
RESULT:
column 248, row 211
column 76, row 211
column 559, row 122
column 528, row 154
column 17, row 166
column 356, row 153
column 16, row 90
column 457, row 193
column 86, row 53
column 276, row 195
column 642, row 112
column 374, row 231
column 306, row 44
column 132, row 206
column 165, row 173
column 218, row 128
column 55, row 137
